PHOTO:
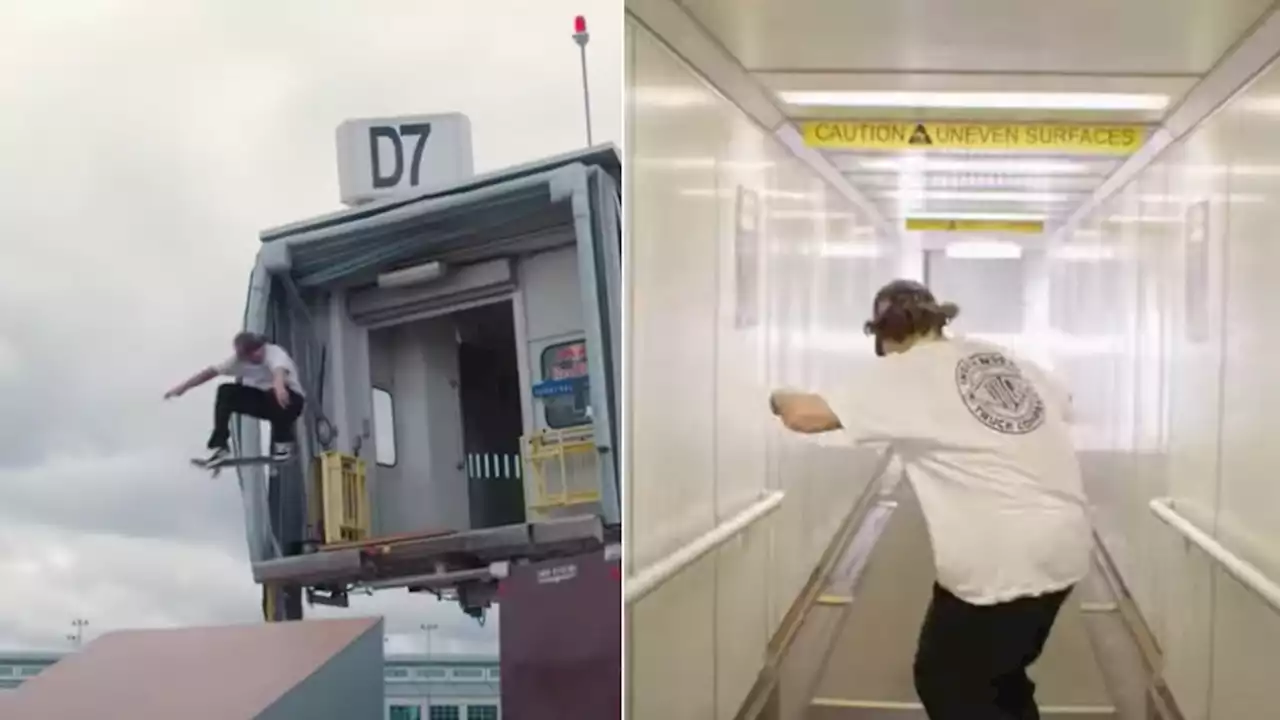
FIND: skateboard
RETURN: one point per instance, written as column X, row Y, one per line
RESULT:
column 217, row 465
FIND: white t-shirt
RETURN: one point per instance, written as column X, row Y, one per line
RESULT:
column 262, row 376
column 986, row 445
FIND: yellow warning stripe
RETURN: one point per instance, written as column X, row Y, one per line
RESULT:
column 1026, row 227
column 991, row 136
column 834, row 600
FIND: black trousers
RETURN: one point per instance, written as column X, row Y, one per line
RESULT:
column 261, row 404
column 972, row 660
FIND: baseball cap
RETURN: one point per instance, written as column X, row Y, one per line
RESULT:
column 900, row 308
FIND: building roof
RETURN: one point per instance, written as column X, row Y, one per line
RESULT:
column 48, row 657
column 440, row 659
column 185, row 672
column 18, row 657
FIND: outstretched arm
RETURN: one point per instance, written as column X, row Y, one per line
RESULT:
column 194, row 381
column 803, row 412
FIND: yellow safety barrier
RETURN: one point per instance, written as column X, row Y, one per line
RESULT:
column 562, row 451
column 344, row 498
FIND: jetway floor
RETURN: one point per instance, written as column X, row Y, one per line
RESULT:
column 864, row 673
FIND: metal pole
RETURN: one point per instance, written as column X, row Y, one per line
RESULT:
column 428, row 629
column 586, row 94
column 79, row 624
column 581, row 38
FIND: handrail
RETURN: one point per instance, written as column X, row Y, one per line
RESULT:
column 1250, row 576
column 646, row 581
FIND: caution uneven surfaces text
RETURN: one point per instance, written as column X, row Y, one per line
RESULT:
column 1008, row 137
column 1029, row 227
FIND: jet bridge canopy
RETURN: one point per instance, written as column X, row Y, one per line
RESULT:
column 484, row 217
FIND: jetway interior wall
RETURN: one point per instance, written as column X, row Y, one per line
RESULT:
column 767, row 275
column 1164, row 312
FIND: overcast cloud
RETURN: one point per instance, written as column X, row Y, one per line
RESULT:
column 143, row 145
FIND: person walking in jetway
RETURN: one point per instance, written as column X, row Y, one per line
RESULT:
column 268, row 389
column 986, row 445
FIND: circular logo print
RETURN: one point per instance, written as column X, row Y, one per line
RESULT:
column 997, row 394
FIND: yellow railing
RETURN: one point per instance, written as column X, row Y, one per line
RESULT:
column 555, row 458
column 344, row 498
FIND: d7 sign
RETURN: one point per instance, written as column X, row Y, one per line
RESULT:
column 388, row 157
column 419, row 131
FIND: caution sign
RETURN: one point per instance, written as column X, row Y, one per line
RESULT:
column 1006, row 137
column 920, row 136
column 1025, row 227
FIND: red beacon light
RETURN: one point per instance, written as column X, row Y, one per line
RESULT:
column 580, row 25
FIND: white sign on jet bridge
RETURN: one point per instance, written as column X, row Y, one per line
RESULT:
column 388, row 157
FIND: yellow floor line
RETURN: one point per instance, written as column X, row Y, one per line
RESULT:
column 1099, row 607
column 834, row 600
column 894, row 705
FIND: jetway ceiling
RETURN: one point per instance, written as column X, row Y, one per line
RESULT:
column 1150, row 48
column 1120, row 38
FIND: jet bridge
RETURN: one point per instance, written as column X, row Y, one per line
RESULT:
column 459, row 348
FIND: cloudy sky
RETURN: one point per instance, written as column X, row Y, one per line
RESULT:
column 142, row 147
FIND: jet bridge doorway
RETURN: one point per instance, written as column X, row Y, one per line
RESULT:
column 492, row 413
column 448, row 420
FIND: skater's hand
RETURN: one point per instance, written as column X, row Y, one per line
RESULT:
column 282, row 396
column 173, row 394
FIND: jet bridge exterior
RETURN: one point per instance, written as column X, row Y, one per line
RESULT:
column 542, row 241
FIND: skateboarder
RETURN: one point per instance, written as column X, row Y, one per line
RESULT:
column 985, row 443
column 269, row 389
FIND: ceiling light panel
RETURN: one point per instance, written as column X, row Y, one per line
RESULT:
column 1001, row 166
column 980, row 196
column 978, row 100
column 983, row 250
column 970, row 181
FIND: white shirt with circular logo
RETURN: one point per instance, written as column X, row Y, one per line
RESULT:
column 985, row 443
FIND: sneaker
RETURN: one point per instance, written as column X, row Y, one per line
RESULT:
column 217, row 455
column 281, row 452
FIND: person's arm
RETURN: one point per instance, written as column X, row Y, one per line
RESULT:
column 194, row 381
column 803, row 412
column 875, row 403
column 279, row 383
column 225, row 367
column 281, row 365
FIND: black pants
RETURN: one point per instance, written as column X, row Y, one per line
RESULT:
column 972, row 660
column 261, row 404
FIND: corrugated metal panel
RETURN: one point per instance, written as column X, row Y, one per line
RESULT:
column 604, row 157
column 382, row 305
column 426, row 230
